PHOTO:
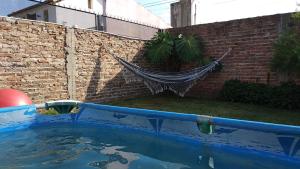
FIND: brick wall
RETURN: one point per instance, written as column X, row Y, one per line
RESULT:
column 51, row 62
column 251, row 40
column 99, row 74
column 33, row 58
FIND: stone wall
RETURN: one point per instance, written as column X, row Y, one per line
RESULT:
column 251, row 41
column 32, row 59
column 50, row 62
column 99, row 75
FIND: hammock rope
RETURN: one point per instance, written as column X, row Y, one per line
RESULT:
column 177, row 82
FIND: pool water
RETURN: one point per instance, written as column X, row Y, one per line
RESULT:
column 75, row 146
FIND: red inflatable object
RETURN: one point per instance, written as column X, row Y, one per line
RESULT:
column 11, row 97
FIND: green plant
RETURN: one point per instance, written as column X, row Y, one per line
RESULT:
column 160, row 47
column 171, row 52
column 295, row 16
column 188, row 49
column 215, row 108
column 51, row 111
column 286, row 95
column 286, row 57
column 237, row 91
column 233, row 91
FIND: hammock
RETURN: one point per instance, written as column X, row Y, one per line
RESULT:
column 177, row 82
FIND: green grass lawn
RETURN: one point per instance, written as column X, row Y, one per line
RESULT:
column 213, row 108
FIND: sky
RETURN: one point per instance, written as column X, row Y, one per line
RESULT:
column 8, row 6
column 223, row 10
column 160, row 8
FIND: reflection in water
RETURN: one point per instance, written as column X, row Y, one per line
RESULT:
column 206, row 162
column 88, row 147
column 80, row 147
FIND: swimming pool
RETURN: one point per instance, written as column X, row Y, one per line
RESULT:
column 107, row 137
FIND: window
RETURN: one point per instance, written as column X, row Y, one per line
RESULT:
column 46, row 15
column 31, row 16
column 90, row 4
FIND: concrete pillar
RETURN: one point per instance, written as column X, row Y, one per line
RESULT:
column 71, row 62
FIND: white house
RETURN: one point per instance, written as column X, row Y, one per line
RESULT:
column 124, row 17
column 124, row 9
column 191, row 12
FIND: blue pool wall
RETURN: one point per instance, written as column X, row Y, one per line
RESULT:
column 282, row 141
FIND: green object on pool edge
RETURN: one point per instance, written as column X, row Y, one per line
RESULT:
column 64, row 109
column 61, row 108
column 205, row 127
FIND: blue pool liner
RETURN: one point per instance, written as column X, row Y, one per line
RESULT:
column 258, row 126
column 252, row 125
column 143, row 112
column 16, row 108
column 275, row 139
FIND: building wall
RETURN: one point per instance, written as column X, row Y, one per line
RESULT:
column 251, row 41
column 34, row 55
column 40, row 13
column 181, row 13
column 195, row 12
column 86, row 20
column 126, row 21
column 125, row 28
column 97, row 5
column 209, row 11
column 128, row 10
column 176, row 15
column 70, row 17
column 131, row 10
column 120, row 27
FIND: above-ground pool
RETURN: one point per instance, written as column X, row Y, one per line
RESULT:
column 109, row 137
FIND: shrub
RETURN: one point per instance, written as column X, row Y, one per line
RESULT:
column 286, row 95
column 233, row 90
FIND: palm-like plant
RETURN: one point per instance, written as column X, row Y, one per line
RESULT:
column 160, row 47
column 171, row 52
column 188, row 49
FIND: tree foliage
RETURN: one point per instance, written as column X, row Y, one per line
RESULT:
column 188, row 49
column 160, row 47
column 171, row 52
column 286, row 56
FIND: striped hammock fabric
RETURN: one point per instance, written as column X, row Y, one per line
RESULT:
column 178, row 82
